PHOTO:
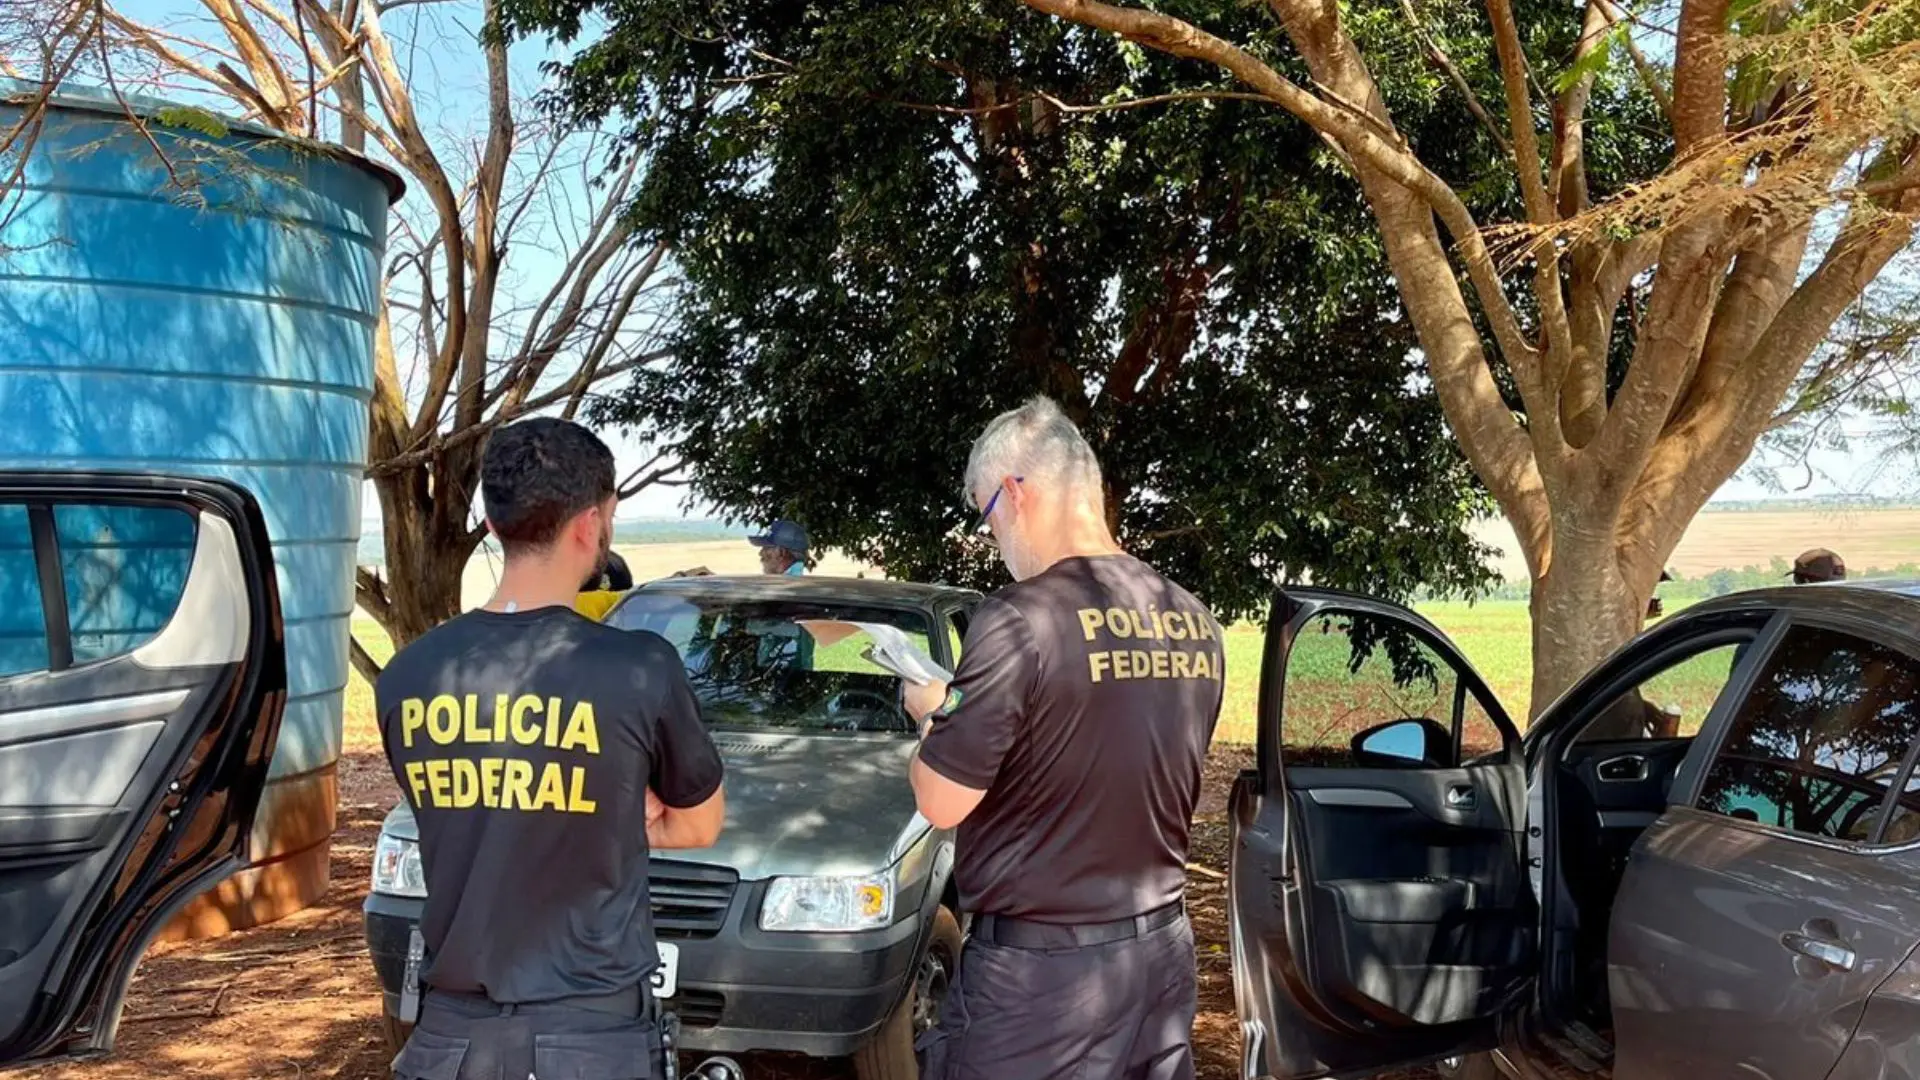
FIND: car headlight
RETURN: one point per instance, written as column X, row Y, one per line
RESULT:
column 396, row 868
column 828, row 904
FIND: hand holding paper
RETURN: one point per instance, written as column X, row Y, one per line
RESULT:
column 891, row 648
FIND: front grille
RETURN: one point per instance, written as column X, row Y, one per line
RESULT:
column 689, row 900
column 697, row 1008
column 747, row 748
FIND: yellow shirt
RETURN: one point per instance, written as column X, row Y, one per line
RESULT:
column 595, row 605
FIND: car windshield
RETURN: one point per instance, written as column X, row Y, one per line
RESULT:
column 779, row 665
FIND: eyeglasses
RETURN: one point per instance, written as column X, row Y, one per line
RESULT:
column 986, row 515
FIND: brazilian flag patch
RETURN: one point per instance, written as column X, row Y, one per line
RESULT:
column 954, row 698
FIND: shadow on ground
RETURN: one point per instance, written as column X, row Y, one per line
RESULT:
column 298, row 998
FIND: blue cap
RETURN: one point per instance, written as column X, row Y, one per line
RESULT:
column 782, row 534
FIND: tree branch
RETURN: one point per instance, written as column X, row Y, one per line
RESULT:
column 1648, row 76
column 1700, row 76
column 1526, row 144
column 1445, row 63
column 1569, row 142
column 1360, row 139
column 1111, row 106
column 363, row 661
column 439, row 446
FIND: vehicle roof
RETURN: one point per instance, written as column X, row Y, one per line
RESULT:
column 1895, row 600
column 811, row 587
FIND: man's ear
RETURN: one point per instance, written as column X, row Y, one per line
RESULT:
column 585, row 528
column 1014, row 493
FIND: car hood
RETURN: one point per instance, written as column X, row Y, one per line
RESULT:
column 798, row 804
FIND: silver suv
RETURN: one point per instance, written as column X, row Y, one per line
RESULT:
column 824, row 921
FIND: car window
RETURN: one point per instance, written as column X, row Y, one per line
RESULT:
column 1672, row 702
column 956, row 621
column 1349, row 673
column 1820, row 739
column 23, row 623
column 779, row 664
column 122, row 570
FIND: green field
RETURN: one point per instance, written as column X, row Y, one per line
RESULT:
column 1493, row 634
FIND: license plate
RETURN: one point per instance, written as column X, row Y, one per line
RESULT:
column 666, row 976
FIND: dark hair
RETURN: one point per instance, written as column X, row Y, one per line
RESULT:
column 536, row 475
column 614, row 575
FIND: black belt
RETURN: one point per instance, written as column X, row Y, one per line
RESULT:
column 1027, row 934
column 629, row 1002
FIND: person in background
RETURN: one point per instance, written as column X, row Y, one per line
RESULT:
column 535, row 848
column 604, row 588
column 1818, row 565
column 1631, row 715
column 1068, row 752
column 783, row 549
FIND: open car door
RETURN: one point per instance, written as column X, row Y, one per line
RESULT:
column 142, row 677
column 1381, row 914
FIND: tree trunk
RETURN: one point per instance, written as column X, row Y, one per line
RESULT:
column 423, row 552
column 1584, row 607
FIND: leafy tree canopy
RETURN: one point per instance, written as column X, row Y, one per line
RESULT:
column 895, row 220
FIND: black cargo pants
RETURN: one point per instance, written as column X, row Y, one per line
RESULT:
column 461, row 1038
column 1024, row 1010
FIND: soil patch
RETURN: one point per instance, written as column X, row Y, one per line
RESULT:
column 299, row 999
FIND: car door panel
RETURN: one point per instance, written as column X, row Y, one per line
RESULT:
column 1705, row 937
column 1887, row 1041
column 127, row 783
column 1773, row 888
column 1380, row 913
column 1417, row 893
column 1285, row 1031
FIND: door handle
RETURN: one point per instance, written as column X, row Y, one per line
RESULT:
column 1834, row 954
column 1461, row 797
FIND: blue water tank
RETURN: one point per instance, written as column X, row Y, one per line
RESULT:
column 203, row 302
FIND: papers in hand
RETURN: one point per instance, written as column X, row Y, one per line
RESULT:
column 891, row 648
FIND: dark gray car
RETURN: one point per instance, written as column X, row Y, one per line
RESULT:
column 824, row 921
column 1703, row 861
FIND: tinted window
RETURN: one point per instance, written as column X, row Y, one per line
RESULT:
column 125, row 569
column 1348, row 673
column 1817, row 743
column 23, row 625
column 763, row 664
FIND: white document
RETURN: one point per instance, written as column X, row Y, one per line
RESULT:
column 891, row 649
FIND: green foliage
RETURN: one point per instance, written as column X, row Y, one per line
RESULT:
column 1594, row 63
column 193, row 119
column 890, row 232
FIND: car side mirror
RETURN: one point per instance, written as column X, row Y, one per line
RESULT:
column 1416, row 743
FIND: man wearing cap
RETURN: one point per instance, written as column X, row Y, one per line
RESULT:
column 783, row 549
column 1818, row 565
column 783, row 552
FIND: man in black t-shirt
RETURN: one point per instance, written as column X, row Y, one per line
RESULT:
column 544, row 755
column 1068, row 753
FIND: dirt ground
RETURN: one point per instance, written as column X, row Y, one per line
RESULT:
column 298, row 998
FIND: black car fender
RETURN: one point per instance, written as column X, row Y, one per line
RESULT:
column 938, row 890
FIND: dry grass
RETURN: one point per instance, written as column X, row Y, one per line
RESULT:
column 1735, row 540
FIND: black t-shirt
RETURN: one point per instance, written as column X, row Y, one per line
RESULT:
column 525, row 744
column 1083, row 707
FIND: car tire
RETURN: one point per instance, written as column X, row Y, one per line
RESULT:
column 393, row 1032
column 1469, row 1067
column 889, row 1054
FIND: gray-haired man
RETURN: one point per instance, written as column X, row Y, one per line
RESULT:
column 1068, row 752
